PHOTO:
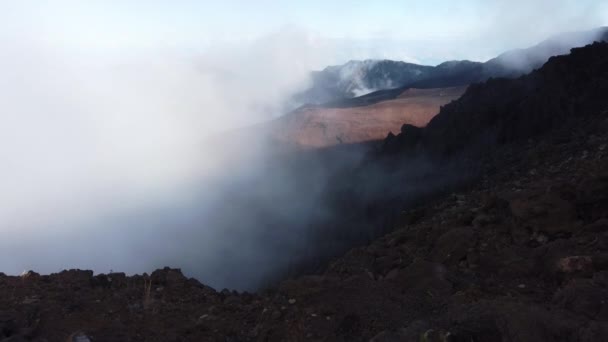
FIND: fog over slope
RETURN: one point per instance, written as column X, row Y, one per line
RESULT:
column 336, row 84
column 123, row 158
column 113, row 162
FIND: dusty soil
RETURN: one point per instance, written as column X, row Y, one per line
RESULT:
column 325, row 127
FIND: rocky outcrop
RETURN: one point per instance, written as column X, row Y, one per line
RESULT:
column 502, row 111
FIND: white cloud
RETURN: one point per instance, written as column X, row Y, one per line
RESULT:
column 86, row 129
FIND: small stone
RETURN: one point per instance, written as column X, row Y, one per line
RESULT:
column 292, row 301
column 30, row 300
column 134, row 307
column 522, row 286
column 392, row 274
column 276, row 314
column 541, row 238
column 80, row 337
column 483, row 220
column 232, row 300
column 575, row 264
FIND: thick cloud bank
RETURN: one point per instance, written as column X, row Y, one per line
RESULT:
column 129, row 158
column 115, row 161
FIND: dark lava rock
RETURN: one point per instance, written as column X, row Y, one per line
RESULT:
column 424, row 277
column 168, row 276
column 8, row 326
column 453, row 246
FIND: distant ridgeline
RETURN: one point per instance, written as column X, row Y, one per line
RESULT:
column 359, row 83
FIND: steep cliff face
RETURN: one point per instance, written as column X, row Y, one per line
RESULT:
column 503, row 111
column 456, row 148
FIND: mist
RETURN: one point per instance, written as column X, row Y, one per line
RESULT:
column 130, row 157
column 121, row 162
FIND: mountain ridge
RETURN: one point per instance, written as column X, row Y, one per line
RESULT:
column 370, row 85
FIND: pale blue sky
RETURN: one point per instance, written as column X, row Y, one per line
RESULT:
column 425, row 31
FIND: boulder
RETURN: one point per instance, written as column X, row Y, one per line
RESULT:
column 79, row 337
column 453, row 246
column 8, row 325
column 592, row 199
column 597, row 226
column 576, row 264
column 583, row 297
column 75, row 277
column 426, row 277
column 594, row 331
column 168, row 277
column 545, row 212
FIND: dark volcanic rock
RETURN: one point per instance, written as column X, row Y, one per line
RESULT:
column 8, row 325
column 424, row 277
column 453, row 246
column 503, row 111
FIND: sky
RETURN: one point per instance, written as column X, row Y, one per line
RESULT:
column 423, row 31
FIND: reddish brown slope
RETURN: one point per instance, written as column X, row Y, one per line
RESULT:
column 314, row 127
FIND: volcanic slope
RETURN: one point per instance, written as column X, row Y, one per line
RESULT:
column 320, row 127
column 521, row 255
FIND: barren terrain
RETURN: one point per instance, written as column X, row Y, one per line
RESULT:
column 314, row 127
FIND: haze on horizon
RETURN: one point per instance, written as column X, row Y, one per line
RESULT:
column 427, row 32
column 108, row 105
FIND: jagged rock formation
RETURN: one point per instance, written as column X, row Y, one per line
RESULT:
column 504, row 111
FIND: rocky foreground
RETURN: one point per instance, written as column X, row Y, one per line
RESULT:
column 521, row 255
